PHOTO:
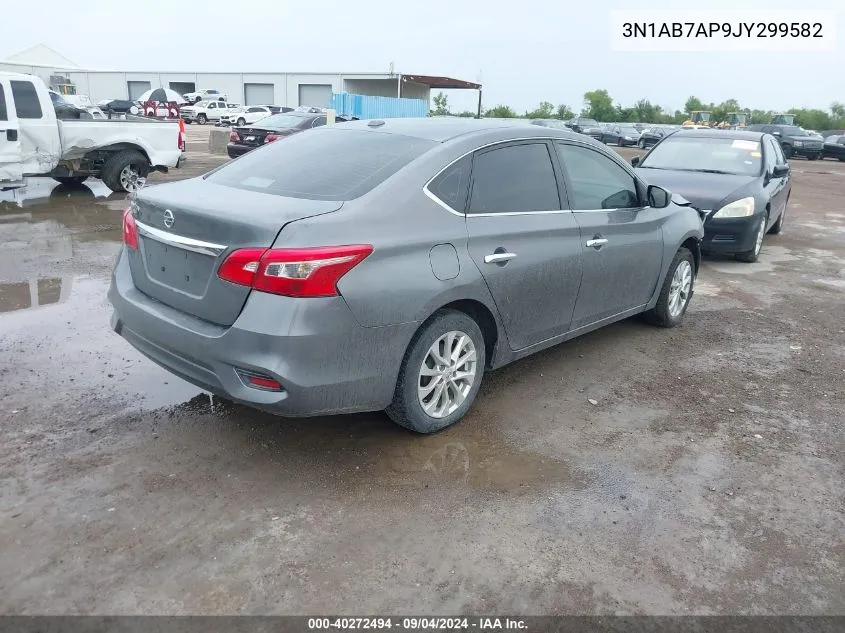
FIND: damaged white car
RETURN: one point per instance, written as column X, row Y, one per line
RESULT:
column 35, row 142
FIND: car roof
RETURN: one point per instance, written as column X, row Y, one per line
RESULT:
column 714, row 133
column 441, row 130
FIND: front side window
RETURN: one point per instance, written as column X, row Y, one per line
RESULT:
column 780, row 159
column 4, row 116
column 26, row 101
column 515, row 178
column 596, row 181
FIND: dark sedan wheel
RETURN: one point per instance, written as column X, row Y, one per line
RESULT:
column 777, row 227
column 754, row 254
column 641, row 144
column 441, row 373
column 787, row 151
column 813, row 156
column 676, row 292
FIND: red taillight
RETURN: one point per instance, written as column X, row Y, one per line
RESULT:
column 233, row 137
column 130, row 231
column 271, row 137
column 295, row 272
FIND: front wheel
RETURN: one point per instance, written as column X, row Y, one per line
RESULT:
column 813, row 156
column 787, row 151
column 777, row 227
column 202, row 119
column 641, row 144
column 754, row 254
column 676, row 292
column 241, row 122
column 70, row 181
column 441, row 373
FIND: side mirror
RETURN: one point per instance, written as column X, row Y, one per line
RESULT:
column 635, row 161
column 780, row 171
column 658, row 198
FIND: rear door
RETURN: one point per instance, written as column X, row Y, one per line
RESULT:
column 523, row 242
column 622, row 240
column 10, row 143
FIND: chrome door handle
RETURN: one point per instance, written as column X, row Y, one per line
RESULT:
column 596, row 242
column 498, row 258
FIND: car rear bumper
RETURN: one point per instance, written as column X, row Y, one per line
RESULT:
column 734, row 235
column 325, row 361
column 236, row 149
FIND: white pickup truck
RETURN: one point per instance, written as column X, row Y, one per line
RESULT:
column 205, row 111
column 34, row 142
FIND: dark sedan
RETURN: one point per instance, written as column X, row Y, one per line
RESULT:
column 834, row 147
column 652, row 136
column 583, row 125
column 621, row 135
column 741, row 178
column 272, row 128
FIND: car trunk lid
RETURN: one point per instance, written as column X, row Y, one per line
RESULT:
column 256, row 136
column 185, row 231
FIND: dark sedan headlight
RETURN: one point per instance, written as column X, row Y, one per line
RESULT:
column 741, row 208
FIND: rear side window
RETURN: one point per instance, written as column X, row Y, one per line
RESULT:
column 27, row 105
column 516, row 178
column 4, row 115
column 327, row 163
column 452, row 185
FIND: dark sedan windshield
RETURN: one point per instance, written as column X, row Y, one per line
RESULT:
column 283, row 121
column 706, row 153
column 588, row 123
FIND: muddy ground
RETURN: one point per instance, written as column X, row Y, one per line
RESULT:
column 707, row 479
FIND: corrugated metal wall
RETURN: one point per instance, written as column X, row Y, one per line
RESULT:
column 366, row 107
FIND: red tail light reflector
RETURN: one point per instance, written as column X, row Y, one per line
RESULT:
column 130, row 230
column 271, row 137
column 294, row 272
column 259, row 381
column 233, row 137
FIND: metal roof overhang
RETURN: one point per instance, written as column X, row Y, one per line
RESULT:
column 442, row 83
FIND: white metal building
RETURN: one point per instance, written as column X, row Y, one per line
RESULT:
column 279, row 88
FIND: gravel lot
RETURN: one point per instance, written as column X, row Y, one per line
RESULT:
column 707, row 479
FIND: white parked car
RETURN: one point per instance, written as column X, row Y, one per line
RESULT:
column 209, row 94
column 206, row 111
column 249, row 115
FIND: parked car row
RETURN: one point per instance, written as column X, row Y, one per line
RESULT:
column 268, row 129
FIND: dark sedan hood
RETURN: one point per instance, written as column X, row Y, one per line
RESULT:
column 704, row 191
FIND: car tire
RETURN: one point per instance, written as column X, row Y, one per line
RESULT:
column 202, row 119
column 70, row 181
column 443, row 328
column 842, row 158
column 676, row 292
column 641, row 144
column 813, row 156
column 241, row 122
column 777, row 227
column 125, row 171
column 753, row 255
column 787, row 151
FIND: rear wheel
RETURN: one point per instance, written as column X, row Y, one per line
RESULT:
column 70, row 181
column 754, row 254
column 641, row 144
column 676, row 292
column 125, row 171
column 441, row 373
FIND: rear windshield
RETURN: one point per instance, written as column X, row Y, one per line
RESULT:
column 322, row 164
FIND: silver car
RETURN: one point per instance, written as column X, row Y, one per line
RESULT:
column 389, row 264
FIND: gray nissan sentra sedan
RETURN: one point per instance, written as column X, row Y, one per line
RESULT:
column 387, row 264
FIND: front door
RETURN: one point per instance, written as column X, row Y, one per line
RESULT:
column 523, row 242
column 777, row 188
column 622, row 240
column 10, row 141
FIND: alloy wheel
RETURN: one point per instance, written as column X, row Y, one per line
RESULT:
column 679, row 290
column 447, row 374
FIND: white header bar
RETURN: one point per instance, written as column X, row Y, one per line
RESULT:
column 720, row 31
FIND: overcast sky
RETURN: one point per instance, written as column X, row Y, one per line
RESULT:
column 523, row 53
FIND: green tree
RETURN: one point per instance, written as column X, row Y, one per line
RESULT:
column 500, row 112
column 441, row 105
column 466, row 114
column 693, row 103
column 564, row 113
column 837, row 110
column 598, row 105
column 544, row 111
